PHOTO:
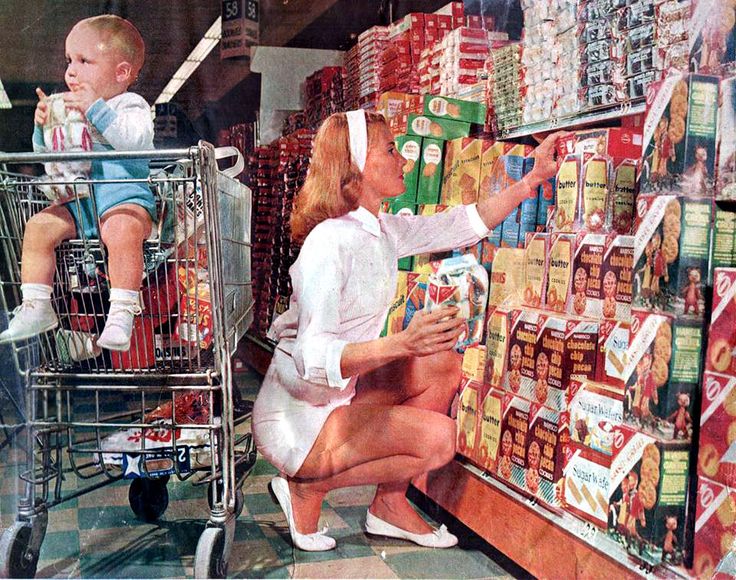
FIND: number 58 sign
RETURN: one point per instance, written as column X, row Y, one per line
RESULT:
column 239, row 27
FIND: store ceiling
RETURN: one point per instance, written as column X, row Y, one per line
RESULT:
column 33, row 33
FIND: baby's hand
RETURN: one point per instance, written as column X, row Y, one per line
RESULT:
column 81, row 98
column 42, row 109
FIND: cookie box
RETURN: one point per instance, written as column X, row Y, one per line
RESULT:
column 519, row 375
column 460, row 182
column 467, row 417
column 715, row 529
column 512, row 459
column 596, row 409
column 490, row 415
column 617, row 276
column 722, row 330
column 586, row 298
column 430, row 174
column 437, row 128
column 547, row 443
column 717, row 446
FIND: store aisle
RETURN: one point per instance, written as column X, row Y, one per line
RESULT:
column 97, row 536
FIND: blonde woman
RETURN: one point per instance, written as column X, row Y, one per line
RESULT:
column 340, row 407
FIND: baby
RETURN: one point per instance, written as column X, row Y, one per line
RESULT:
column 104, row 55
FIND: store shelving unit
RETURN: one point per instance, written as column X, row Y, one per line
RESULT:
column 545, row 543
column 577, row 120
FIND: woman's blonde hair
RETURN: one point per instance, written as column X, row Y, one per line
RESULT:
column 333, row 182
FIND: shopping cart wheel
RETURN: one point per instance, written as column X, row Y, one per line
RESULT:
column 18, row 559
column 239, row 499
column 209, row 559
column 149, row 498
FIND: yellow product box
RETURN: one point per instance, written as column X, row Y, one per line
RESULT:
column 498, row 332
column 559, row 276
column 467, row 417
column 430, row 174
column 462, row 171
column 397, row 310
column 490, row 151
column 507, row 276
column 474, row 362
column 423, row 262
column 535, row 269
column 490, row 413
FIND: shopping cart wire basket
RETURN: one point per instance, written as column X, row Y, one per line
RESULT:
column 162, row 409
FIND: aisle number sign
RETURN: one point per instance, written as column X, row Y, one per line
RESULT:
column 239, row 27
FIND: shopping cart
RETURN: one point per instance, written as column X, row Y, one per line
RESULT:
column 165, row 407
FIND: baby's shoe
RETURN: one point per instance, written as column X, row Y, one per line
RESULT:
column 31, row 318
column 119, row 325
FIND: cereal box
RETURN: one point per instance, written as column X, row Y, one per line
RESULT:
column 671, row 249
column 455, row 109
column 717, row 447
column 715, row 527
column 512, row 460
column 586, row 298
column 722, row 331
column 567, row 193
column 498, row 332
column 596, row 409
column 462, row 171
column 662, row 374
column 507, row 276
column 712, row 36
column 461, row 282
column 467, row 418
column 680, row 135
column 535, row 269
column 519, row 375
column 410, row 146
column 560, row 271
column 587, row 488
column 624, row 184
column 613, row 352
column 430, row 174
column 547, row 443
column 617, row 274
column 649, row 482
column 726, row 186
column 437, row 128
column 616, row 143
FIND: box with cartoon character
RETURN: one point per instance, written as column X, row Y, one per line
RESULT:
column 671, row 253
column 712, row 35
column 649, row 489
column 680, row 131
column 662, row 374
column 726, row 185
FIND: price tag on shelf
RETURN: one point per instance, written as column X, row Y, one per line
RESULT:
column 239, row 27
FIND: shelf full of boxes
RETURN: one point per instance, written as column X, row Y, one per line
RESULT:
column 587, row 357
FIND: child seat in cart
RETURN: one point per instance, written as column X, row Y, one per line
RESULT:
column 165, row 408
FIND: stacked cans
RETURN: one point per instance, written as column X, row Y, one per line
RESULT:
column 323, row 94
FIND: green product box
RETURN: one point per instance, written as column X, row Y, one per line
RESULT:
column 430, row 174
column 455, row 109
column 724, row 239
column 410, row 147
column 400, row 205
column 437, row 128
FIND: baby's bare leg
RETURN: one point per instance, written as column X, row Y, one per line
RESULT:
column 124, row 228
column 44, row 232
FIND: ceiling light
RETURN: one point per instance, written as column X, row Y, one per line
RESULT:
column 195, row 58
column 4, row 100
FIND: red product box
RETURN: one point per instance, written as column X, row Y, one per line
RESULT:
column 519, row 375
column 717, row 447
column 586, row 298
column 617, row 143
column 722, row 333
column 444, row 22
column 616, row 276
column 715, row 528
column 547, row 441
column 613, row 347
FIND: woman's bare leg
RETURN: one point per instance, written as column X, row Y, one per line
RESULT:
column 395, row 429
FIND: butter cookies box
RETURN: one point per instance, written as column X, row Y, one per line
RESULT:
column 467, row 417
column 717, row 445
column 680, row 131
column 649, row 492
column 490, row 416
column 662, row 374
column 715, row 528
column 671, row 254
column 547, row 443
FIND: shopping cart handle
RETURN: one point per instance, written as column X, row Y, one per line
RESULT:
column 152, row 154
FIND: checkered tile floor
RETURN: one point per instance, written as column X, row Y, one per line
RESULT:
column 97, row 535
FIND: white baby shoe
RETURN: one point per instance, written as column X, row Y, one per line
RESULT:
column 119, row 325
column 31, row 318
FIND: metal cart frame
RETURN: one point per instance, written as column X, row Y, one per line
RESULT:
column 197, row 298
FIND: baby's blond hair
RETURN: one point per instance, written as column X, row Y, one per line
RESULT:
column 122, row 35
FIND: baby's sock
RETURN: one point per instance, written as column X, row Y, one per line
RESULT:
column 119, row 326
column 34, row 316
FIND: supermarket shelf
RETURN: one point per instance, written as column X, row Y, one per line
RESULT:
column 586, row 118
column 544, row 543
column 256, row 352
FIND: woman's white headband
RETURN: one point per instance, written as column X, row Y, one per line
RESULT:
column 358, row 132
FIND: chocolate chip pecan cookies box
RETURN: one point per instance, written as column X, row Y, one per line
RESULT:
column 671, row 251
column 512, row 460
column 547, row 442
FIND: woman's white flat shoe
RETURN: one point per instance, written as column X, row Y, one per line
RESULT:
column 316, row 542
column 440, row 538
